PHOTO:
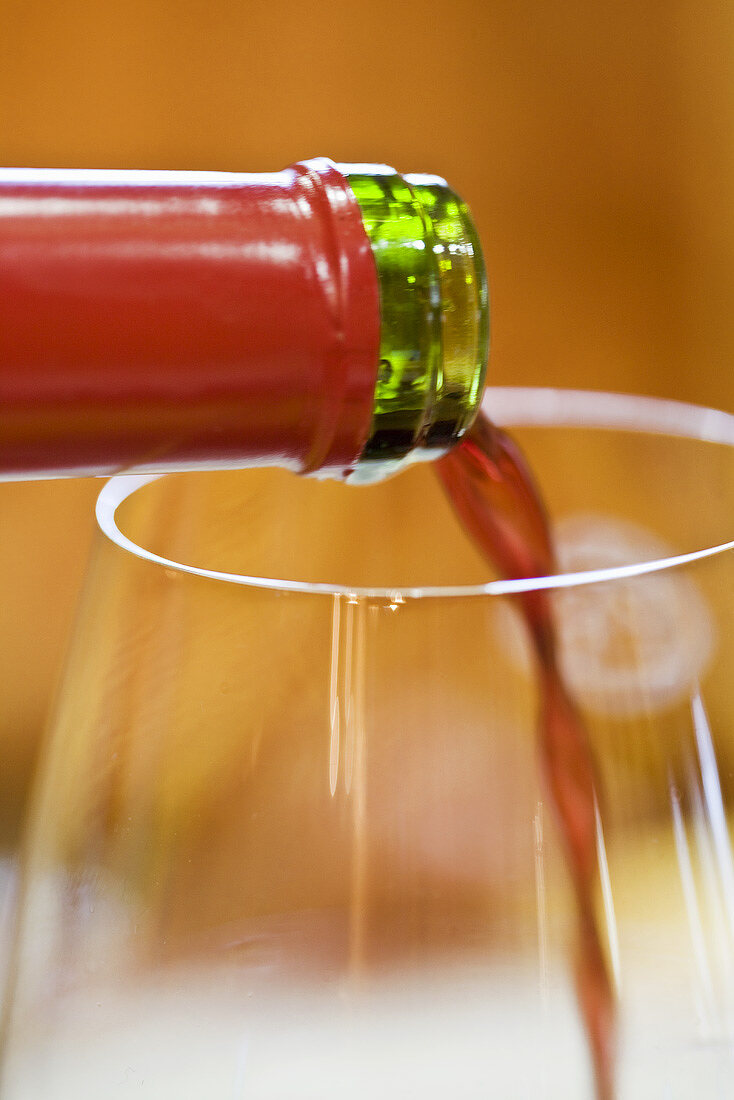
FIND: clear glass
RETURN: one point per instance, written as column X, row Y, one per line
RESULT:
column 288, row 837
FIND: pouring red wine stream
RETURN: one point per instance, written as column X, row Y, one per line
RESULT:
column 493, row 493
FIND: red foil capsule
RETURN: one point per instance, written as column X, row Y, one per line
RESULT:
column 164, row 320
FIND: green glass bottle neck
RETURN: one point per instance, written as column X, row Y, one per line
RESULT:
column 434, row 316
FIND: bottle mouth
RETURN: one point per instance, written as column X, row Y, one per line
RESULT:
column 434, row 316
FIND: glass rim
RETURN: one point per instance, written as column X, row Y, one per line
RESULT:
column 508, row 406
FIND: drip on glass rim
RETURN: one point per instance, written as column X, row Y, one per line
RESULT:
column 514, row 407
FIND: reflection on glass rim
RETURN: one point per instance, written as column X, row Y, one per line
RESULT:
column 512, row 406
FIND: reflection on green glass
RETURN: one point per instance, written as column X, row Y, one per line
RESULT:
column 434, row 317
column 410, row 348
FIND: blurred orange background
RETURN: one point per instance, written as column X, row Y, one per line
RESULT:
column 594, row 144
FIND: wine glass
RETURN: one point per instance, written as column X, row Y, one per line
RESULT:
column 288, row 836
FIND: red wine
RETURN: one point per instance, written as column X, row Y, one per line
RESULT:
column 493, row 493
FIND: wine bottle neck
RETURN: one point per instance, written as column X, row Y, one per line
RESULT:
column 434, row 316
column 328, row 319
